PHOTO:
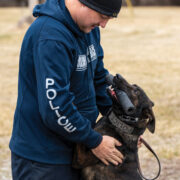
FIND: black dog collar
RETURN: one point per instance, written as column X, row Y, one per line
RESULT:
column 121, row 126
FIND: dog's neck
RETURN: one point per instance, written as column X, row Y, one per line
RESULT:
column 119, row 125
column 128, row 133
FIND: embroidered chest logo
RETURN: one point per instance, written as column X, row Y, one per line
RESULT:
column 92, row 52
column 82, row 63
column 83, row 60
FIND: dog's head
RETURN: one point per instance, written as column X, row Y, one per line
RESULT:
column 142, row 104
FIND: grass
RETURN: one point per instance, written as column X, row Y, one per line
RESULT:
column 143, row 47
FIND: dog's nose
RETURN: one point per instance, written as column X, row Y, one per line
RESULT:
column 119, row 76
column 109, row 79
column 152, row 103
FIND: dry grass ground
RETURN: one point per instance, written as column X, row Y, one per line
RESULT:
column 143, row 47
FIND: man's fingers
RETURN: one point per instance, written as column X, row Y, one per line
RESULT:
column 113, row 161
column 117, row 159
column 139, row 142
column 105, row 162
column 118, row 153
column 117, row 143
column 139, row 145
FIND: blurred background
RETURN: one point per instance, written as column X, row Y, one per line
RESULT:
column 142, row 44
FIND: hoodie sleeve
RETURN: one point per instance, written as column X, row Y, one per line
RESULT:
column 103, row 101
column 53, row 67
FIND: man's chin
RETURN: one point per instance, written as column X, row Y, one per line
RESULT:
column 87, row 30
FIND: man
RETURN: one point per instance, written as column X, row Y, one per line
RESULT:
column 61, row 90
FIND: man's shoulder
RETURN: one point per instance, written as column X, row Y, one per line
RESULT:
column 52, row 29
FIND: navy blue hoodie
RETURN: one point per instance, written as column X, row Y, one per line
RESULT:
column 61, row 87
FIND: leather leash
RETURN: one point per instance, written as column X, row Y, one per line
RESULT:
column 152, row 151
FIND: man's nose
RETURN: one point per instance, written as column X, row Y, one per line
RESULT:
column 103, row 23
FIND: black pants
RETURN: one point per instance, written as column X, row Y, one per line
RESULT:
column 23, row 169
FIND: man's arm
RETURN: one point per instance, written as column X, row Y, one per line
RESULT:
column 53, row 69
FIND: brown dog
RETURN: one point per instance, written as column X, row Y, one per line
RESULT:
column 125, row 128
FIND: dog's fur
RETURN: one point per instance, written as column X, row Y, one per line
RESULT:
column 94, row 169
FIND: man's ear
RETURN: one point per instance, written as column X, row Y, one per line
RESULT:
column 152, row 121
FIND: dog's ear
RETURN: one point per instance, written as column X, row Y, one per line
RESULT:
column 152, row 121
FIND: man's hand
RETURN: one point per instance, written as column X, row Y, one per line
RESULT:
column 139, row 144
column 107, row 151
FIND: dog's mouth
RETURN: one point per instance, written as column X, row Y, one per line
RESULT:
column 136, row 119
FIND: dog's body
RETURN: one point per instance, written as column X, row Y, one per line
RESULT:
column 124, row 128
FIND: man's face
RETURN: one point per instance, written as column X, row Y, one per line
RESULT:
column 88, row 19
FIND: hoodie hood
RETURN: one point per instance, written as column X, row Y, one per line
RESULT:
column 56, row 9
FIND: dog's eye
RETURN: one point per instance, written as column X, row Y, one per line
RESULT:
column 137, row 92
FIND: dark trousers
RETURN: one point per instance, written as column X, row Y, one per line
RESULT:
column 24, row 169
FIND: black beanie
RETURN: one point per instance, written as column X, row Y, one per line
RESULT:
column 106, row 7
